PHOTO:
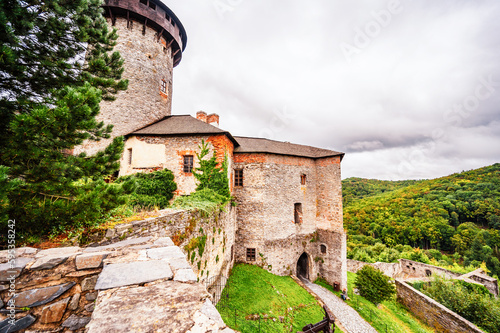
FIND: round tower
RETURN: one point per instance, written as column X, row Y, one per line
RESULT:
column 151, row 40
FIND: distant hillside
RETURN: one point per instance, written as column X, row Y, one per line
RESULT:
column 458, row 213
column 359, row 188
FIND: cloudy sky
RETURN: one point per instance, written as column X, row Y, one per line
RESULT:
column 407, row 89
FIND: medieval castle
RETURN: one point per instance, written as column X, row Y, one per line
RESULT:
column 289, row 210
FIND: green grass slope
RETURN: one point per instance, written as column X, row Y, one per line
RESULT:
column 253, row 292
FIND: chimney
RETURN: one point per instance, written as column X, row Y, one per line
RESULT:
column 200, row 115
column 213, row 119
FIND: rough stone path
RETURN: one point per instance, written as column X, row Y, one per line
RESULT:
column 347, row 316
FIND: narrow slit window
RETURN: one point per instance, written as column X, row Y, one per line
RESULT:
column 129, row 156
column 250, row 254
column 163, row 86
column 238, row 177
column 298, row 212
column 303, row 179
column 188, row 164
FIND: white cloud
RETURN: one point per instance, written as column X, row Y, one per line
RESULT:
column 383, row 108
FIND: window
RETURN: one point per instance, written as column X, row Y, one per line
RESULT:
column 238, row 177
column 298, row 212
column 144, row 2
column 163, row 86
column 188, row 163
column 302, row 179
column 152, row 6
column 129, row 157
column 250, row 254
column 323, row 248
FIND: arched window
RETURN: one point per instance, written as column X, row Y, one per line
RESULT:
column 323, row 248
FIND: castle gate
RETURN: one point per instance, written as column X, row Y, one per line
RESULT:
column 303, row 266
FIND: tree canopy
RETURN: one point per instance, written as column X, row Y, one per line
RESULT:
column 56, row 65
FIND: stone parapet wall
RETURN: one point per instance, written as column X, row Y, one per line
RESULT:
column 58, row 288
column 418, row 269
column 431, row 312
column 392, row 270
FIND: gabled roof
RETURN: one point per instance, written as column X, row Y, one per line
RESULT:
column 181, row 125
column 185, row 125
column 259, row 145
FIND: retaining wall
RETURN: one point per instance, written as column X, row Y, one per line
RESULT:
column 430, row 311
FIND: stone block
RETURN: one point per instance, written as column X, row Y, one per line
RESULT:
column 169, row 305
column 90, row 307
column 75, row 322
column 89, row 283
column 53, row 313
column 20, row 324
column 11, row 270
column 75, row 300
column 164, row 241
column 112, row 276
column 91, row 296
column 36, row 297
column 58, row 251
column 185, row 275
column 126, row 242
column 90, row 260
column 178, row 263
column 48, row 262
column 169, row 252
column 211, row 312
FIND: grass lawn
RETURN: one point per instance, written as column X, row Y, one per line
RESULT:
column 389, row 316
column 281, row 303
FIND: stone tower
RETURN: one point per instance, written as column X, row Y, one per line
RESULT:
column 151, row 41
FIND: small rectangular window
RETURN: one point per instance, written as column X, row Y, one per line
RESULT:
column 238, row 177
column 250, row 254
column 302, row 179
column 188, row 164
column 152, row 6
column 298, row 212
column 163, row 86
column 144, row 2
column 129, row 157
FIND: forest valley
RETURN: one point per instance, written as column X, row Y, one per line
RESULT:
column 452, row 222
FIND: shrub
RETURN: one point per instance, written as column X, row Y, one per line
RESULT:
column 470, row 301
column 154, row 189
column 374, row 285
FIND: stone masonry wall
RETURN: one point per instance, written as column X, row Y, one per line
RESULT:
column 151, row 153
column 271, row 188
column 56, row 288
column 431, row 312
column 146, row 62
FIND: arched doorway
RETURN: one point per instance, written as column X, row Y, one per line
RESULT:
column 303, row 266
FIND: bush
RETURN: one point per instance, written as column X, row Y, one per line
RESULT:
column 470, row 301
column 374, row 285
column 154, row 189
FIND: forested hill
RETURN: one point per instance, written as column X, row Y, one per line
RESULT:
column 359, row 188
column 458, row 213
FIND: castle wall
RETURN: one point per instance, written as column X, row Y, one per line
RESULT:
column 150, row 153
column 266, row 221
column 147, row 62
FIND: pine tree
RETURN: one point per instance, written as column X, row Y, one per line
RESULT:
column 209, row 174
column 56, row 64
